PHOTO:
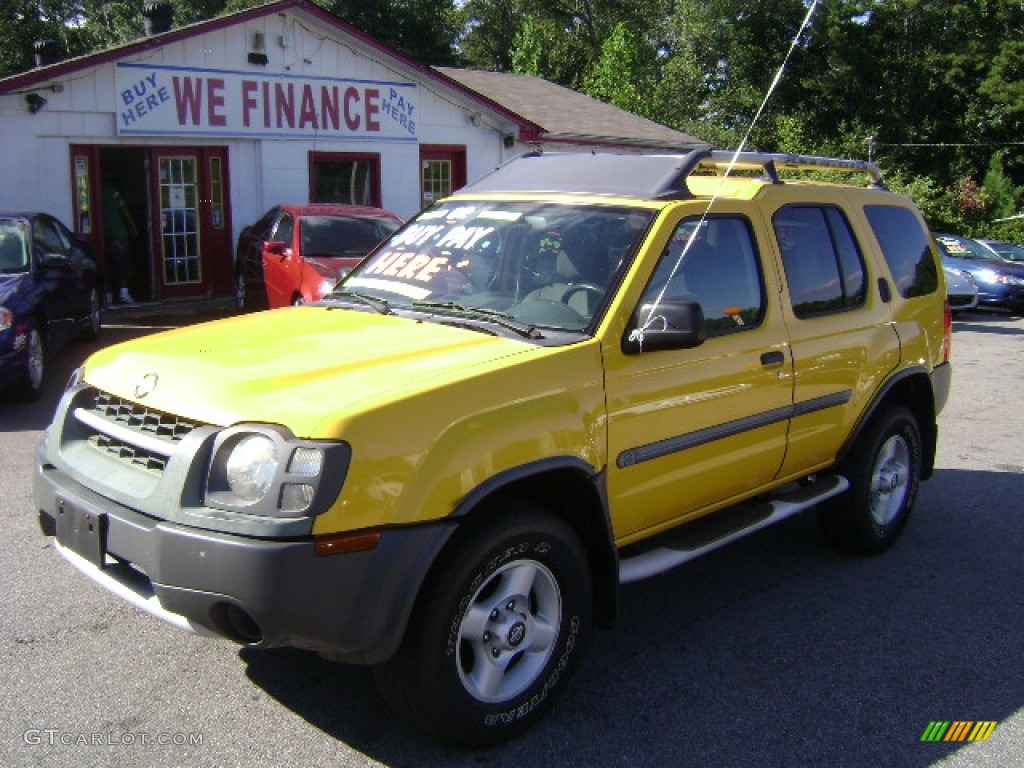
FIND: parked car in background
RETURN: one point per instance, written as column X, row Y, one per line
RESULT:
column 49, row 292
column 961, row 290
column 1000, row 283
column 296, row 253
column 1005, row 251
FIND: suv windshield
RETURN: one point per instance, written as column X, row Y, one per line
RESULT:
column 542, row 264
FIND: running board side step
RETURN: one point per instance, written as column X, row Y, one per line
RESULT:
column 720, row 528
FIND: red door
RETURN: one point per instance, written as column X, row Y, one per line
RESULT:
column 85, row 193
column 192, row 229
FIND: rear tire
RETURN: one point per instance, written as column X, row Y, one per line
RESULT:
column 884, row 470
column 496, row 631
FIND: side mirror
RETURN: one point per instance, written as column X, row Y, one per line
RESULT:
column 51, row 260
column 278, row 248
column 665, row 325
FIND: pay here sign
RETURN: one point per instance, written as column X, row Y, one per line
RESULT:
column 179, row 101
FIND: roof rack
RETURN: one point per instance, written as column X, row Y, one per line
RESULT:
column 770, row 162
column 645, row 175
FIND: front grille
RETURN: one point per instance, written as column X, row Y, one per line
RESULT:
column 131, row 454
column 141, row 418
column 139, row 436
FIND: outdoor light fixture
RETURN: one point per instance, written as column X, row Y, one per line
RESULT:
column 35, row 102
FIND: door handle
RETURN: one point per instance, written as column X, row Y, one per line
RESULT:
column 775, row 357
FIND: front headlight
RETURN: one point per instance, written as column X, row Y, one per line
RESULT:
column 6, row 318
column 985, row 276
column 262, row 469
column 251, row 467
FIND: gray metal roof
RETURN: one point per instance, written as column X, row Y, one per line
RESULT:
column 567, row 115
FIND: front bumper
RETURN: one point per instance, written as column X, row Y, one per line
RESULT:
column 1009, row 297
column 259, row 592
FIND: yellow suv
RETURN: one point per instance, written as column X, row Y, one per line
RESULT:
column 580, row 371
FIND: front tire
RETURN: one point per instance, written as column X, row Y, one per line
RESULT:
column 884, row 470
column 241, row 292
column 34, row 372
column 496, row 632
column 95, row 323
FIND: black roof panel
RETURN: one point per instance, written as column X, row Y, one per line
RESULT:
column 622, row 175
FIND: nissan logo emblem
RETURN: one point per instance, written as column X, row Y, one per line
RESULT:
column 146, row 385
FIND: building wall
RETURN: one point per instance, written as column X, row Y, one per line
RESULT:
column 264, row 170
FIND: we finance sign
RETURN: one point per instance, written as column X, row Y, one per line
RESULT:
column 179, row 101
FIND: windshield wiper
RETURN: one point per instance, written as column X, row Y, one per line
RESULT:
column 380, row 305
column 503, row 319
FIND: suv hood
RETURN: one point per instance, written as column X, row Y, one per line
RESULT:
column 287, row 367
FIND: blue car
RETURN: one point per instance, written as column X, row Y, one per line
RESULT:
column 1000, row 283
column 49, row 293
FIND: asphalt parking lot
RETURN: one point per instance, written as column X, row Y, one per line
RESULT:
column 772, row 652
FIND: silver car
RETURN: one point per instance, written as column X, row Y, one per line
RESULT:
column 961, row 289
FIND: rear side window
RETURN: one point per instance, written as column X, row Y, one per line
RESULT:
column 905, row 246
column 824, row 266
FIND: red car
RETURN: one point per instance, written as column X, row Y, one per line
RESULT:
column 296, row 253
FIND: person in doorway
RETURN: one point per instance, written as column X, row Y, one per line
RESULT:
column 118, row 232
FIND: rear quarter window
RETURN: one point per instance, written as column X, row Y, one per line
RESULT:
column 906, row 249
column 824, row 268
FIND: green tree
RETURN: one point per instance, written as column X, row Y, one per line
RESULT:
column 543, row 49
column 424, row 29
column 1004, row 197
column 625, row 73
column 56, row 24
column 490, row 30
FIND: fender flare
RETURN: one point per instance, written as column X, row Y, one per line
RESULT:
column 591, row 521
column 923, row 406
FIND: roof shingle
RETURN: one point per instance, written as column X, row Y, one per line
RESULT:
column 566, row 114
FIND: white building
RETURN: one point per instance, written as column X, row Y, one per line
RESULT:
column 203, row 128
